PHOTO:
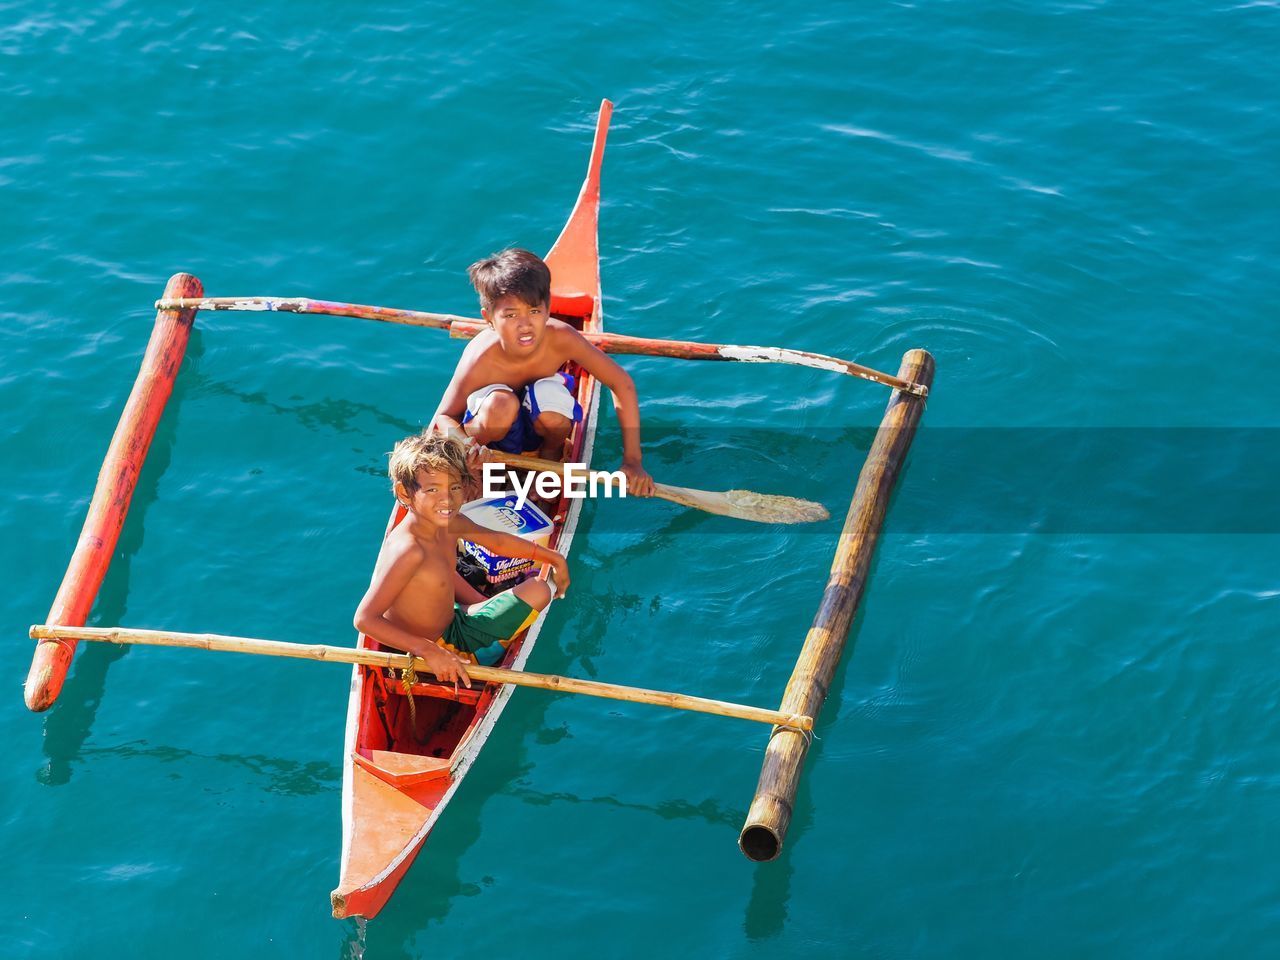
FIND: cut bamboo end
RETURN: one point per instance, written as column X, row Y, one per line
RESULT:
column 760, row 844
column 767, row 821
column 759, row 840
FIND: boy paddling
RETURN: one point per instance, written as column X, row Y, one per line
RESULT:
column 410, row 605
column 508, row 390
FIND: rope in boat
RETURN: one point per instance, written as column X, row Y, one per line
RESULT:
column 408, row 677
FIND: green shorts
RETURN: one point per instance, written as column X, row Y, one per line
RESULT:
column 483, row 636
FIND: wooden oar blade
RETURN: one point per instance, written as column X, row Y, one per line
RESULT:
column 771, row 508
column 747, row 505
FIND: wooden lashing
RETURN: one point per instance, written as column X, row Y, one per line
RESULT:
column 408, row 677
column 114, row 490
column 770, row 813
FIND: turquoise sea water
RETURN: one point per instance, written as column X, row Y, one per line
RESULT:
column 1053, row 731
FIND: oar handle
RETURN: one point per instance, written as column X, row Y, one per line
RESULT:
column 524, row 461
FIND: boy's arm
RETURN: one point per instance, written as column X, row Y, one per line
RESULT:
column 509, row 545
column 626, row 405
column 452, row 406
column 371, row 620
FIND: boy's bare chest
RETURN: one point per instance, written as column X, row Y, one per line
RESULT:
column 436, row 569
column 426, row 602
column 435, row 560
column 494, row 366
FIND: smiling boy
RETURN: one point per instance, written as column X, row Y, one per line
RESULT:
column 509, row 389
column 410, row 604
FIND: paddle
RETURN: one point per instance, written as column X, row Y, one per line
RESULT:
column 467, row 327
column 742, row 504
column 398, row 661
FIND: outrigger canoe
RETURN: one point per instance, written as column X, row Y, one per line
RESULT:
column 402, row 764
column 405, row 755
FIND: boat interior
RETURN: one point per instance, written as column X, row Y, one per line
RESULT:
column 429, row 720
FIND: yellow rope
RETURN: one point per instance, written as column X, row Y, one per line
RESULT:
column 408, row 677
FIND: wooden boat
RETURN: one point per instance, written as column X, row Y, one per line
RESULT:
column 401, row 766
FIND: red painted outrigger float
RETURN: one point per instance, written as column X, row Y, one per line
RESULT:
column 111, row 496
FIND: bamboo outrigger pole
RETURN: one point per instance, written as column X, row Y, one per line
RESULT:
column 770, row 813
column 397, row 661
column 465, row 328
column 114, row 490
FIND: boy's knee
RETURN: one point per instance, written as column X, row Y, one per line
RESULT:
column 500, row 407
column 552, row 424
column 535, row 593
column 495, row 416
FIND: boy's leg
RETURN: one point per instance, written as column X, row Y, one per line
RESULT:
column 554, row 411
column 491, row 412
column 486, row 629
column 553, row 429
column 536, row 593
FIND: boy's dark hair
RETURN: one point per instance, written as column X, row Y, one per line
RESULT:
column 511, row 271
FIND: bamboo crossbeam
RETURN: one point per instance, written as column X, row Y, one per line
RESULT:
column 467, row 327
column 398, row 661
column 770, row 813
column 332, row 308
column 114, row 490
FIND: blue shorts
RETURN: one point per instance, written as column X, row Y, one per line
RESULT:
column 553, row 394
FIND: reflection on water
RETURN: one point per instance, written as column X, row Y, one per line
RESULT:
column 68, row 724
column 708, row 810
column 289, row 777
column 326, row 412
column 767, row 909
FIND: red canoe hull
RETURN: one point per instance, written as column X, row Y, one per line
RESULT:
column 401, row 765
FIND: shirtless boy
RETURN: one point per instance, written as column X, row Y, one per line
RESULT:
column 508, row 389
column 410, row 604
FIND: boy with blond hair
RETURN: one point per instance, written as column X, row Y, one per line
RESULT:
column 509, row 391
column 410, row 604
